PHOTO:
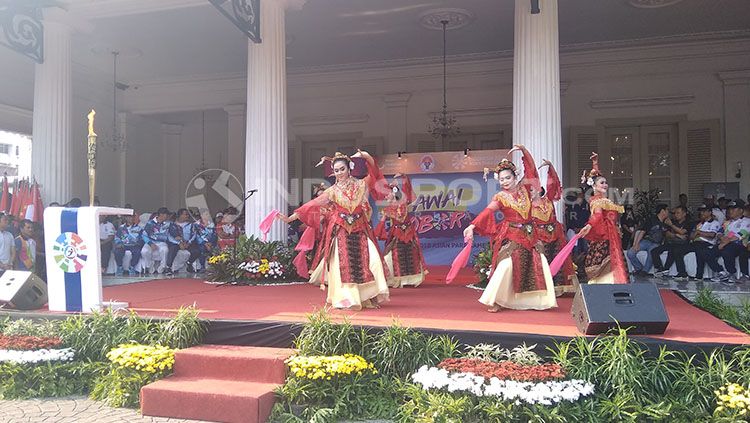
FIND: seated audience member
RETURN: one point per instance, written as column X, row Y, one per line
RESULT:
column 128, row 238
column 74, row 203
column 704, row 240
column 227, row 231
column 7, row 246
column 53, row 204
column 733, row 243
column 648, row 236
column 182, row 236
column 676, row 239
column 684, row 203
column 155, row 238
column 106, row 238
column 719, row 215
column 628, row 224
column 206, row 238
column 25, row 246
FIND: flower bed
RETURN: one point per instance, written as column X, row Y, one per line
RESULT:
column 504, row 370
column 328, row 367
column 145, row 358
column 253, row 261
column 36, row 356
column 21, row 342
column 547, row 393
column 733, row 401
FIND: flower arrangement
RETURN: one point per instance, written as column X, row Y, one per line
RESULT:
column 504, row 370
column 36, row 356
column 328, row 367
column 21, row 342
column 545, row 393
column 483, row 266
column 145, row 358
column 733, row 399
column 253, row 261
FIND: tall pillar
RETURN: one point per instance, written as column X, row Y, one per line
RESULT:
column 51, row 130
column 737, row 125
column 172, row 193
column 395, row 104
column 236, row 115
column 536, row 83
column 266, row 144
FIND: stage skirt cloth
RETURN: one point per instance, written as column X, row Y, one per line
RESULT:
column 566, row 280
column 351, row 295
column 500, row 290
column 405, row 264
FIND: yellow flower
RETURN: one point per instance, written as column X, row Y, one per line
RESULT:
column 146, row 358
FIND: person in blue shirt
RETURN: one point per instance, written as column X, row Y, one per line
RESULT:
column 155, row 239
column 206, row 238
column 182, row 236
column 128, row 238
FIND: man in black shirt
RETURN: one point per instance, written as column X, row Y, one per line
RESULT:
column 676, row 238
column 648, row 236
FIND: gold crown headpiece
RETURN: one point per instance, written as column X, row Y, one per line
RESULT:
column 504, row 164
column 337, row 156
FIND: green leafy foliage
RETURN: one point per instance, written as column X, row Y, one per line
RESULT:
column 482, row 265
column 738, row 317
column 248, row 249
column 121, row 386
column 646, row 203
column 20, row 381
column 27, row 327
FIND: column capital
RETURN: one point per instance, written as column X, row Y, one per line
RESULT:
column 67, row 20
column 396, row 99
column 293, row 4
column 171, row 129
column 235, row 110
column 735, row 77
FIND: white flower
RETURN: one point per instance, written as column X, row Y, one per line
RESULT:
column 590, row 182
column 37, row 356
column 546, row 393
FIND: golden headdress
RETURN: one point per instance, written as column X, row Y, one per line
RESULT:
column 337, row 156
column 504, row 164
column 589, row 177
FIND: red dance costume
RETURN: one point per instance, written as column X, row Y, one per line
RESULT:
column 605, row 261
column 403, row 254
column 520, row 277
column 350, row 262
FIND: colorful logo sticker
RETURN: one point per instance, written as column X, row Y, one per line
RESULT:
column 427, row 164
column 70, row 252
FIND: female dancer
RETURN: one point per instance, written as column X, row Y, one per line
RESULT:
column 605, row 262
column 403, row 254
column 351, row 264
column 317, row 277
column 549, row 231
column 520, row 277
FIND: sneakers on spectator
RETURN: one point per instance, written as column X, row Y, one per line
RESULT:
column 168, row 272
column 661, row 273
column 189, row 268
column 720, row 277
column 132, row 272
column 744, row 279
column 119, row 271
column 681, row 277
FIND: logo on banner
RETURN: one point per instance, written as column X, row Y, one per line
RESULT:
column 427, row 164
column 70, row 252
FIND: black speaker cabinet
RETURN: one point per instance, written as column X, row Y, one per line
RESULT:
column 24, row 290
column 599, row 308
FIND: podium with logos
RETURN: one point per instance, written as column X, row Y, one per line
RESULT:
column 73, row 257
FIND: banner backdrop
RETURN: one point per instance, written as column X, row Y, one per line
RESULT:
column 450, row 191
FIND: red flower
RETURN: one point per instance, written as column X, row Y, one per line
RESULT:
column 28, row 343
column 504, row 370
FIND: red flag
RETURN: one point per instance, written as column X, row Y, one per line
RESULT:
column 14, row 200
column 36, row 212
column 4, row 203
column 23, row 202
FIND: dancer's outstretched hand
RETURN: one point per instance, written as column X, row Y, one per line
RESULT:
column 469, row 233
column 584, row 231
column 283, row 218
column 545, row 162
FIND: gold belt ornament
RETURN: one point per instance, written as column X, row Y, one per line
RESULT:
column 527, row 227
column 350, row 218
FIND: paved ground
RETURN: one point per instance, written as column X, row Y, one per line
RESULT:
column 71, row 410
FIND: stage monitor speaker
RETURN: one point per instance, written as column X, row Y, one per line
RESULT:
column 24, row 290
column 597, row 308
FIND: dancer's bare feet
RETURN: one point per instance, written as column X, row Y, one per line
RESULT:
column 494, row 309
column 322, row 287
column 373, row 303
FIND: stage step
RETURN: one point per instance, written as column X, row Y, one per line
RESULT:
column 220, row 383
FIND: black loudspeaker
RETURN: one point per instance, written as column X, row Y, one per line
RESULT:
column 598, row 308
column 24, row 290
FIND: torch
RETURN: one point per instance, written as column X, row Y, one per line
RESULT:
column 91, row 155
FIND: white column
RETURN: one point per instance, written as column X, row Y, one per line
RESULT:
column 236, row 115
column 395, row 104
column 172, row 193
column 536, row 83
column 51, row 130
column 737, row 125
column 266, row 166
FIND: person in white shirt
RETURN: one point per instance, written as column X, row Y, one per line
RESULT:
column 704, row 240
column 7, row 246
column 106, row 236
column 733, row 243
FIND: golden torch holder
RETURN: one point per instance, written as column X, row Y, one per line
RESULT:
column 91, row 156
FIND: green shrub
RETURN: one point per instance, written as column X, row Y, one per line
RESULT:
column 738, row 317
column 182, row 331
column 399, row 351
column 225, row 266
column 27, row 327
column 121, row 386
column 321, row 336
column 20, row 381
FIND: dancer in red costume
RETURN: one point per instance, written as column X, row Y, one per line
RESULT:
column 351, row 264
column 317, row 278
column 520, row 277
column 549, row 230
column 605, row 262
column 403, row 254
